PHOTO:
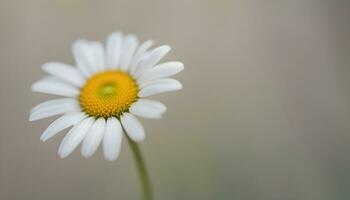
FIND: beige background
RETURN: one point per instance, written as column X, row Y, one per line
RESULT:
column 264, row 113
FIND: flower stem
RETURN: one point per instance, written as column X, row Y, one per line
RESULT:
column 144, row 178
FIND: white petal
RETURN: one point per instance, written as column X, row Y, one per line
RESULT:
column 98, row 55
column 53, row 103
column 112, row 139
column 113, row 50
column 74, row 137
column 84, row 56
column 159, row 86
column 93, row 138
column 152, row 59
column 147, row 108
column 130, row 44
column 55, row 87
column 62, row 123
column 139, row 54
column 133, row 127
column 53, row 107
column 65, row 72
column 156, row 104
column 161, row 71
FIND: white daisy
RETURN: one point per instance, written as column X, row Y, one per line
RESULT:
column 104, row 93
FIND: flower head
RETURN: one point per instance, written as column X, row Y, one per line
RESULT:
column 104, row 92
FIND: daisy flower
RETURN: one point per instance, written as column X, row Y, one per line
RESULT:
column 105, row 92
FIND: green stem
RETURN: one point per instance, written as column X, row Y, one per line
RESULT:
column 145, row 181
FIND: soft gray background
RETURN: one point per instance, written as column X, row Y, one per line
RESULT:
column 264, row 113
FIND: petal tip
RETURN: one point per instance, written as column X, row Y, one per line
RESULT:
column 85, row 154
column 138, row 139
column 43, row 139
column 32, row 118
column 111, row 158
column 181, row 66
column 166, row 48
column 62, row 155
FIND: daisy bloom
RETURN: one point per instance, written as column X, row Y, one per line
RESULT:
column 105, row 92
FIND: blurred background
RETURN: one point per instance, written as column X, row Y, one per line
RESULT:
column 264, row 113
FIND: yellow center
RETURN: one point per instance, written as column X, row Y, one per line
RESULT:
column 108, row 94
